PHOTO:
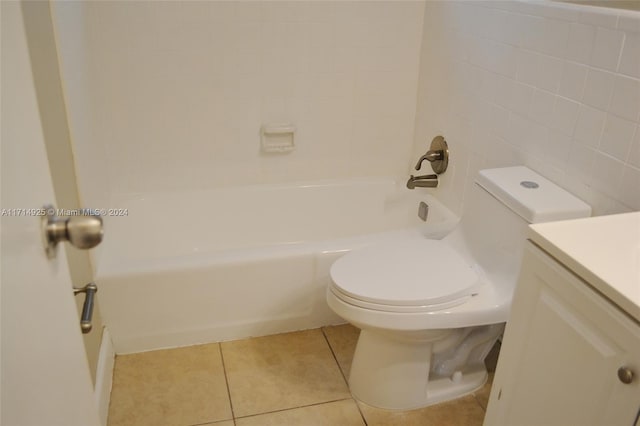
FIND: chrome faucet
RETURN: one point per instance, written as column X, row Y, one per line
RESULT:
column 424, row 181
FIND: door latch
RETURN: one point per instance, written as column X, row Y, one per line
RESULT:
column 90, row 291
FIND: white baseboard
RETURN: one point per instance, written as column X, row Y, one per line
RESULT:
column 104, row 376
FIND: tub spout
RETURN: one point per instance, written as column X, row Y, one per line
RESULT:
column 424, row 181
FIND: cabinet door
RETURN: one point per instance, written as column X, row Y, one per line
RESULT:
column 562, row 349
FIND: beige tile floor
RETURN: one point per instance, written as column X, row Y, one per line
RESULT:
column 286, row 379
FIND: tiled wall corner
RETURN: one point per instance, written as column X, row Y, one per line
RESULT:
column 550, row 85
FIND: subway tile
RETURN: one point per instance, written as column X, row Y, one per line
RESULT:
column 606, row 174
column 504, row 59
column 565, row 115
column 572, row 82
column 541, row 71
column 530, row 31
column 481, row 119
column 580, row 42
column 549, row 73
column 564, row 11
column 634, row 152
column 527, row 66
column 536, row 140
column 598, row 88
column 589, row 126
column 554, row 38
column 542, row 107
column 599, row 17
column 629, row 21
column 625, row 101
column 629, row 194
column 497, row 57
column 487, row 82
column 630, row 58
column 518, row 131
column 520, row 98
column 617, row 137
column 500, row 121
column 497, row 24
column 511, row 31
column 559, row 145
column 580, row 162
column 606, row 49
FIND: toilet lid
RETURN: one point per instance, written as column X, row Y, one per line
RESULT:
column 411, row 272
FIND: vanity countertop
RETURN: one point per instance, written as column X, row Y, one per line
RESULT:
column 603, row 250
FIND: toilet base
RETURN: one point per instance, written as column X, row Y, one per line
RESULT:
column 393, row 373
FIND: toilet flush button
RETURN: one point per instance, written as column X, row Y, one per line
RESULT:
column 529, row 184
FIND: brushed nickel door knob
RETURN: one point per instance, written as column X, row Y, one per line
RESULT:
column 625, row 375
column 82, row 231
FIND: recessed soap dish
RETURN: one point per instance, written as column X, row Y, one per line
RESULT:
column 278, row 138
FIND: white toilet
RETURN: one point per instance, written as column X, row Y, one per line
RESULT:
column 430, row 310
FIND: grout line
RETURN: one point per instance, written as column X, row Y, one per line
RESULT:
column 294, row 408
column 475, row 397
column 226, row 380
column 334, row 357
column 364, row 419
column 214, row 423
column 343, row 375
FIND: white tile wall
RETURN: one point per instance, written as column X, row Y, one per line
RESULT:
column 180, row 89
column 553, row 86
column 171, row 95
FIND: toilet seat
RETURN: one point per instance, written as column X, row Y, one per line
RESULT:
column 409, row 275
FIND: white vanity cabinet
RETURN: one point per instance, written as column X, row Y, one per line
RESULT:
column 571, row 349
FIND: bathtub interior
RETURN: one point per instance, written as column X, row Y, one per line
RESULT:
column 250, row 261
column 187, row 224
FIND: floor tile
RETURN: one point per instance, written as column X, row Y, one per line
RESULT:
column 176, row 387
column 282, row 371
column 343, row 413
column 460, row 412
column 343, row 339
column 482, row 395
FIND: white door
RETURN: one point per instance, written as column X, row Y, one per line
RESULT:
column 44, row 374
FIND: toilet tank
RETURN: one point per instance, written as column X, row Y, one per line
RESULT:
column 497, row 212
column 530, row 195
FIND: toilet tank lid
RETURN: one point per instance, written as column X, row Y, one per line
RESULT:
column 533, row 197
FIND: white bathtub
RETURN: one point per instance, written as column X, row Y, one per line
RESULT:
column 204, row 266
